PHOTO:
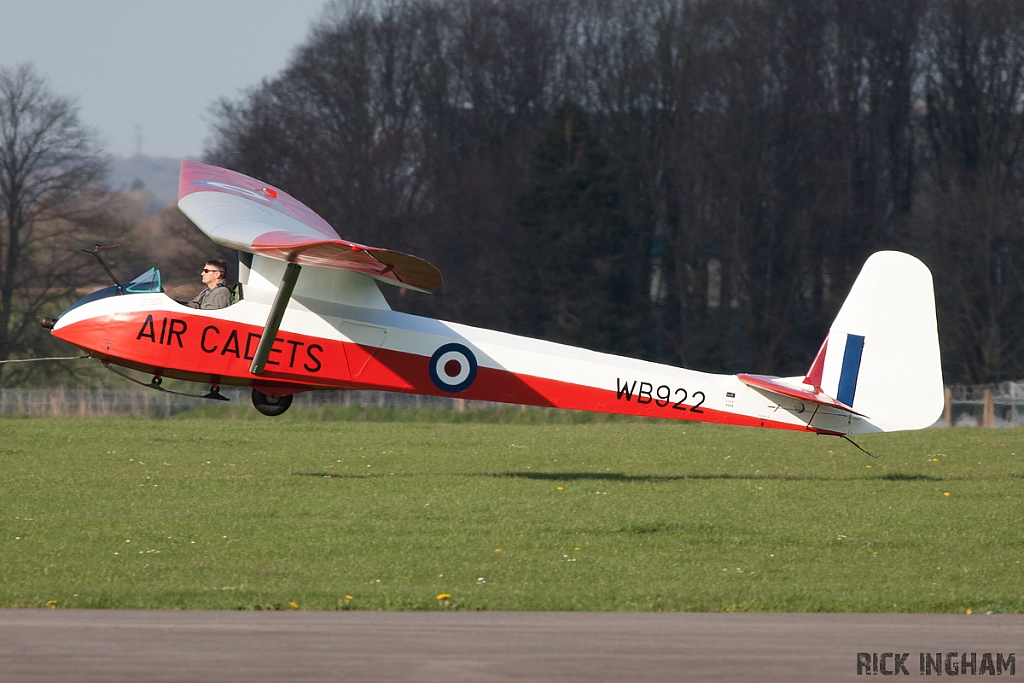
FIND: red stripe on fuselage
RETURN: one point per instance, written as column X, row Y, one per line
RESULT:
column 174, row 344
column 507, row 387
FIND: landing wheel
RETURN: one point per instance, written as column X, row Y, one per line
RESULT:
column 268, row 406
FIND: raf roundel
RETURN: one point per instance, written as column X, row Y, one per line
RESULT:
column 453, row 368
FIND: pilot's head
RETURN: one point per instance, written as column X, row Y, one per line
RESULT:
column 214, row 271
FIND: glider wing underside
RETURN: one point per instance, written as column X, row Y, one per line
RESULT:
column 243, row 213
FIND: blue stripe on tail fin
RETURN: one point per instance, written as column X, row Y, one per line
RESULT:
column 851, row 368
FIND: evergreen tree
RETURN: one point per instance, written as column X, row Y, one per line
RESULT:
column 574, row 282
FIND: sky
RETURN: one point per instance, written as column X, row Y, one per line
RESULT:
column 157, row 64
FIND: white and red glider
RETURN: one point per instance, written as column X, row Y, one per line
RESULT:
column 312, row 317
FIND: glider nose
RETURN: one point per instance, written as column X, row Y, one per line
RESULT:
column 47, row 322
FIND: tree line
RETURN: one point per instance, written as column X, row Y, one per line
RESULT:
column 690, row 181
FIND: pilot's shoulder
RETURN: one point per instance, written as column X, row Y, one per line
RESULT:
column 219, row 297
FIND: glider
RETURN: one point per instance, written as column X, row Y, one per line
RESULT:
column 312, row 316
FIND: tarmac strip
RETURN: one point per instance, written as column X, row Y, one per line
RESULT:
column 126, row 645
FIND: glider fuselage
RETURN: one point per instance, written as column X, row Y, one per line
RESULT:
column 323, row 344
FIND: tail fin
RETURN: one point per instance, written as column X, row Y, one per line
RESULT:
column 881, row 356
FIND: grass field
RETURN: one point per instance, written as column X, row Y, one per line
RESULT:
column 219, row 513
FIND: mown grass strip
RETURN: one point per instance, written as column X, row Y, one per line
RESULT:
column 619, row 515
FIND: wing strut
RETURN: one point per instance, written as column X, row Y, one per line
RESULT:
column 284, row 293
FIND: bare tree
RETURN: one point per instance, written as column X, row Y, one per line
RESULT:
column 974, row 91
column 50, row 174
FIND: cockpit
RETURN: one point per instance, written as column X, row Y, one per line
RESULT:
column 147, row 283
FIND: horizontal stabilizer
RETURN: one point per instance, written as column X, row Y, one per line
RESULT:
column 243, row 213
column 810, row 395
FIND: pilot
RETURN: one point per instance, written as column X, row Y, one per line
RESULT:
column 217, row 293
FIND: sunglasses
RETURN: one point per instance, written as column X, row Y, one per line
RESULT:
column 207, row 270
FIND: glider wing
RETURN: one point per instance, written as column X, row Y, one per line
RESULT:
column 246, row 214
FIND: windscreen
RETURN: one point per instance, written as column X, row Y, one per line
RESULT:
column 146, row 283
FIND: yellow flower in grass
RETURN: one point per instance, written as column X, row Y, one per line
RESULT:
column 443, row 596
column 52, row 604
column 348, row 597
column 560, row 488
column 294, row 605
